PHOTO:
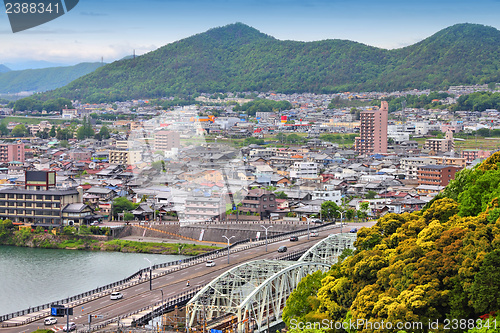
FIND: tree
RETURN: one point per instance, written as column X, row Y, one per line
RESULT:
column 86, row 130
column 329, row 210
column 370, row 194
column 19, row 131
column 52, row 132
column 104, row 133
column 281, row 195
column 486, row 290
column 363, row 210
column 3, row 129
column 122, row 204
column 43, row 134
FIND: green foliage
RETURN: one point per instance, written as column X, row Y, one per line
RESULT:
column 128, row 216
column 329, row 210
column 303, row 303
column 86, row 130
column 478, row 101
column 281, row 195
column 239, row 58
column 122, row 204
column 442, row 262
column 347, row 139
column 19, row 131
column 263, row 105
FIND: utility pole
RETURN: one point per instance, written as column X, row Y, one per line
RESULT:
column 227, row 246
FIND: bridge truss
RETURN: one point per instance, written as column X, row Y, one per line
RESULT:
column 329, row 249
column 249, row 297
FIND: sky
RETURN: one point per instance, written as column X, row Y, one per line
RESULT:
column 112, row 29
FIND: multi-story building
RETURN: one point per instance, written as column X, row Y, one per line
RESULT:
column 12, row 152
column 166, row 140
column 201, row 209
column 473, row 154
column 439, row 175
column 440, row 145
column 409, row 165
column 304, row 170
column 373, row 131
column 124, row 157
column 43, row 207
column 259, row 201
column 328, row 193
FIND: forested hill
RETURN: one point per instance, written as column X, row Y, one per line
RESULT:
column 436, row 264
column 240, row 58
column 42, row 79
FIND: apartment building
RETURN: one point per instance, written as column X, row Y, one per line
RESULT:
column 473, row 154
column 166, row 140
column 201, row 209
column 258, row 201
column 440, row 145
column 373, row 131
column 12, row 152
column 439, row 175
column 124, row 157
column 304, row 170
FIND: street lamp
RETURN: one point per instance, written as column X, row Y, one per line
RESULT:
column 150, row 274
column 266, row 233
column 341, row 221
column 228, row 246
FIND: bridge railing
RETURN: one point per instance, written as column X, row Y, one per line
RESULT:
column 136, row 277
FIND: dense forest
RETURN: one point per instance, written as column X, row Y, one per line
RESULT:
column 442, row 262
column 239, row 58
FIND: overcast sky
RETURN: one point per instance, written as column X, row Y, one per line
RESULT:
column 112, row 29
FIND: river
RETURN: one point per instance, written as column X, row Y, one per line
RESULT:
column 31, row 277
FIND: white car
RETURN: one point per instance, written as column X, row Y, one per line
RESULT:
column 116, row 295
column 71, row 327
column 210, row 263
column 313, row 234
column 50, row 321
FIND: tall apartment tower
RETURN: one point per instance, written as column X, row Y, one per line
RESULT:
column 373, row 132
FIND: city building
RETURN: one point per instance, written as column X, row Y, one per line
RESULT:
column 258, row 201
column 373, row 131
column 439, row 175
column 304, row 170
column 166, row 140
column 473, row 154
column 440, row 145
column 12, row 152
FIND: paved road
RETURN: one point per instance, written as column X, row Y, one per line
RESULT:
column 139, row 295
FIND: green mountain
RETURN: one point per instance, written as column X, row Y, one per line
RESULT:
column 240, row 58
column 43, row 79
column 4, row 68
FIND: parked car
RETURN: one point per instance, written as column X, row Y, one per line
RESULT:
column 353, row 230
column 210, row 263
column 71, row 327
column 294, row 239
column 313, row 234
column 317, row 221
column 282, row 249
column 116, row 295
column 50, row 321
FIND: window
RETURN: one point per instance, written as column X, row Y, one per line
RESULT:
column 28, row 196
column 39, row 197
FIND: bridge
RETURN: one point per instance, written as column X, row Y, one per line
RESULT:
column 144, row 300
column 251, row 296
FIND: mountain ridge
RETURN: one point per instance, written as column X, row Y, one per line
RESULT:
column 237, row 57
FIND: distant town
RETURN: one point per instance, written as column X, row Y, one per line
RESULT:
column 209, row 162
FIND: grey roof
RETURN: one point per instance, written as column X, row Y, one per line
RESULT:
column 16, row 190
column 74, row 208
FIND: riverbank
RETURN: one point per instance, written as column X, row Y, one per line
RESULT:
column 46, row 240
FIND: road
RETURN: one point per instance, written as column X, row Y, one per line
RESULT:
column 139, row 295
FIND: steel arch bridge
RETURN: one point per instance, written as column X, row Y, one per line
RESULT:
column 328, row 250
column 249, row 297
